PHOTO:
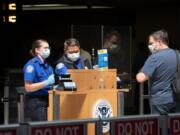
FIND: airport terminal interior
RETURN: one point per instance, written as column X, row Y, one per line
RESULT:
column 89, row 21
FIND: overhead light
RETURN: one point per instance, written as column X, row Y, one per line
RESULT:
column 59, row 6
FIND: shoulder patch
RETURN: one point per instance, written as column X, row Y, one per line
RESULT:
column 60, row 65
column 29, row 69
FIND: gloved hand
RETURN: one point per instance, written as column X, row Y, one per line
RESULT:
column 50, row 80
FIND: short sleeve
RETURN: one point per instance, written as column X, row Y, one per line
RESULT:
column 61, row 69
column 29, row 73
column 149, row 66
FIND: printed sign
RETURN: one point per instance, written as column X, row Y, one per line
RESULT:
column 103, row 59
column 137, row 127
column 76, row 129
column 8, row 132
column 174, row 124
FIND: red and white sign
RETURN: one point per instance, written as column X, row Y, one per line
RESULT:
column 137, row 127
column 58, row 130
column 174, row 126
column 8, row 132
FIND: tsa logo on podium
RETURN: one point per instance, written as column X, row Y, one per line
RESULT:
column 103, row 109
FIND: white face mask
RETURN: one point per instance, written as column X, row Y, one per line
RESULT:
column 152, row 48
column 112, row 46
column 45, row 53
column 73, row 56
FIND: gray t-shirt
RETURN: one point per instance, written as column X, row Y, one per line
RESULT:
column 160, row 67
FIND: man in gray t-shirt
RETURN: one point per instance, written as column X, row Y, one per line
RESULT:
column 160, row 69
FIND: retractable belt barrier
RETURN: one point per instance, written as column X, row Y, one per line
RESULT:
column 126, row 125
column 55, row 128
column 13, row 129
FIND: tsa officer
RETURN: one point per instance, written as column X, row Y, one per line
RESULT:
column 38, row 80
column 71, row 58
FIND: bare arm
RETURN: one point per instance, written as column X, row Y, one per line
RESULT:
column 141, row 77
column 32, row 87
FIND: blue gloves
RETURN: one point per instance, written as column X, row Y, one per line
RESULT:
column 50, row 80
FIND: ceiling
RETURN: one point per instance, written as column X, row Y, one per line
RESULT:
column 68, row 4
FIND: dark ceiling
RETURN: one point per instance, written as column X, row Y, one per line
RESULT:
column 114, row 3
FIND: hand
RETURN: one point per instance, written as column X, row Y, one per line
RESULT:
column 50, row 80
column 95, row 67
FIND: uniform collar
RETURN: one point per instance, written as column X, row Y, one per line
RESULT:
column 38, row 60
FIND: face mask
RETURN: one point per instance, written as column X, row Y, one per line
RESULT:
column 45, row 53
column 152, row 48
column 73, row 56
column 113, row 48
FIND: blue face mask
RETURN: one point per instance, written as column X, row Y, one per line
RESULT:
column 45, row 53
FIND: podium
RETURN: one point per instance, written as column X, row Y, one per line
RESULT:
column 96, row 96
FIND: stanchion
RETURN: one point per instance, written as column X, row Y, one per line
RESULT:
column 21, row 92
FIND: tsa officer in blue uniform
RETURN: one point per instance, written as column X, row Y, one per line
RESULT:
column 71, row 58
column 38, row 80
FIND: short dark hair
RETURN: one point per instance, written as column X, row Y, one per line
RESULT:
column 161, row 35
column 71, row 42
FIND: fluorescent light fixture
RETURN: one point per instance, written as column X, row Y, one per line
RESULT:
column 59, row 7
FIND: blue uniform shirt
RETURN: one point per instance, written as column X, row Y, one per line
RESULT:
column 61, row 68
column 160, row 67
column 36, row 71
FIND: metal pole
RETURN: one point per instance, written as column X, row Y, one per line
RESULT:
column 141, row 98
column 130, row 58
column 6, row 104
column 163, row 122
column 21, row 91
column 99, row 128
column 112, row 127
column 21, row 108
column 102, row 36
column 56, row 112
column 120, row 103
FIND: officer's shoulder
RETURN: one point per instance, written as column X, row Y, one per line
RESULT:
column 29, row 67
column 30, row 62
column 60, row 65
column 34, row 60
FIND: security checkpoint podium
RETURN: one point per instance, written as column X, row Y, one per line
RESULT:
column 96, row 96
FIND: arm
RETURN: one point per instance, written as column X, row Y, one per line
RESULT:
column 29, row 77
column 87, row 64
column 141, row 77
column 148, row 69
column 32, row 87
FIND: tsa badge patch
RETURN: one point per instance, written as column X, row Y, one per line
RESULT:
column 103, row 109
column 60, row 65
column 29, row 69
